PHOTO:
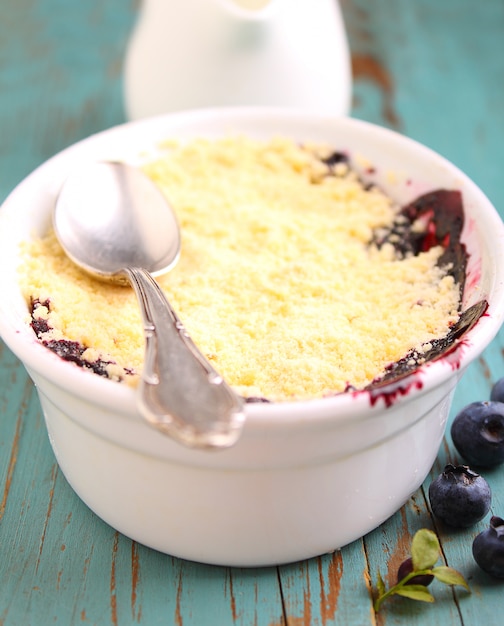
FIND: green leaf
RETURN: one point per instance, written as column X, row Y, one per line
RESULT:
column 449, row 576
column 424, row 549
column 415, row 592
column 380, row 585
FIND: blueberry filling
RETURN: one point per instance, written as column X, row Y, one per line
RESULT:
column 442, row 216
column 437, row 347
column 335, row 158
column 67, row 350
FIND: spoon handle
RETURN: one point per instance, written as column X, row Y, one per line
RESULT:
column 180, row 393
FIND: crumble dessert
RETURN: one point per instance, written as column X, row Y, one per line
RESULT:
column 296, row 279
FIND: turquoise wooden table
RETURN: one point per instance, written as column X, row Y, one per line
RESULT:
column 433, row 70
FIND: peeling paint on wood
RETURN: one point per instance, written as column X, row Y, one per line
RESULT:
column 366, row 67
column 434, row 70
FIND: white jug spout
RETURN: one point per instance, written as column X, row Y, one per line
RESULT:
column 250, row 9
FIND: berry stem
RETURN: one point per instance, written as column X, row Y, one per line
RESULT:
column 393, row 590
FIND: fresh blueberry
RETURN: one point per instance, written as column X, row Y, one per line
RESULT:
column 406, row 568
column 478, row 433
column 488, row 548
column 459, row 497
column 497, row 393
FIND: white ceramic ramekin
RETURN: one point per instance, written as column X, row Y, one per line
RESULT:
column 306, row 477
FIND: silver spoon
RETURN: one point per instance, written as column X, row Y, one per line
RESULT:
column 115, row 223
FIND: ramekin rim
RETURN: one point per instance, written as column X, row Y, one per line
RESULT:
column 83, row 383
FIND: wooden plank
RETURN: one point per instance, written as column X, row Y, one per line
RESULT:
column 329, row 589
column 52, row 548
column 432, row 70
column 387, row 548
column 61, row 77
column 60, row 561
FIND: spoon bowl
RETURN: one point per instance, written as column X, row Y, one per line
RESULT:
column 129, row 224
column 115, row 224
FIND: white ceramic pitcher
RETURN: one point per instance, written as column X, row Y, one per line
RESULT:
column 203, row 53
